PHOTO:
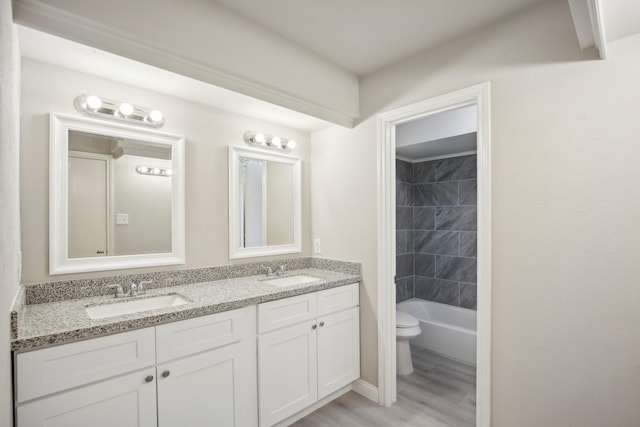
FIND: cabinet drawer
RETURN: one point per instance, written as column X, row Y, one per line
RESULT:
column 179, row 339
column 336, row 299
column 49, row 370
column 129, row 400
column 285, row 312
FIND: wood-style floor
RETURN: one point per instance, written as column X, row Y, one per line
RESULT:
column 439, row 393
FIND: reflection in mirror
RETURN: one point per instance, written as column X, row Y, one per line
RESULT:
column 264, row 210
column 266, row 203
column 117, row 196
column 114, row 208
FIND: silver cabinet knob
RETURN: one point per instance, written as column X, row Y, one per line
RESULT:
column 321, row 323
column 165, row 374
column 149, row 378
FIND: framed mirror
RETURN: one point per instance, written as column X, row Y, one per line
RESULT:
column 116, row 196
column 265, row 203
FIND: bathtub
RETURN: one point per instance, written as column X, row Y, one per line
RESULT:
column 447, row 330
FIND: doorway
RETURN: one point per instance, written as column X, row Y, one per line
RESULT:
column 479, row 96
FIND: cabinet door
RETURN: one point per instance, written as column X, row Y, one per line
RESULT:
column 288, row 372
column 127, row 401
column 216, row 388
column 338, row 350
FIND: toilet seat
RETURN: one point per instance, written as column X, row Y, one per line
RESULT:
column 405, row 320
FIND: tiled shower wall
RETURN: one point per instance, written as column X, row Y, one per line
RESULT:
column 436, row 231
column 404, row 231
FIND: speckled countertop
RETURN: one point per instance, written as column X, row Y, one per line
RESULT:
column 59, row 322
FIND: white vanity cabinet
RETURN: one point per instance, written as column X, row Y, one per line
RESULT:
column 215, row 387
column 200, row 371
column 308, row 348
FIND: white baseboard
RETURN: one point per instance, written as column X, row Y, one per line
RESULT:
column 366, row 389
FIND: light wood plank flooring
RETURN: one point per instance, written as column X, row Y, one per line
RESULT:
column 439, row 393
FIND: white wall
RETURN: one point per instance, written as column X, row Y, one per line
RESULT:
column 208, row 132
column 565, row 345
column 205, row 41
column 343, row 203
column 9, row 197
column 147, row 201
column 279, row 203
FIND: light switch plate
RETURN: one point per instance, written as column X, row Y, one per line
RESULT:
column 317, row 248
column 122, row 219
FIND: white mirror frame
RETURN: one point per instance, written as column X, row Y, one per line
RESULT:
column 59, row 261
column 235, row 251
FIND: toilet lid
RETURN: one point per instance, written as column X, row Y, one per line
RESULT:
column 405, row 320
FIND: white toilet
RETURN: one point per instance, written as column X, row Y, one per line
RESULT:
column 407, row 327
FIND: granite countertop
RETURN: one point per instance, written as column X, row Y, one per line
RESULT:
column 67, row 321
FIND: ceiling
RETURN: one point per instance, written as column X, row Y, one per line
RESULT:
column 622, row 18
column 446, row 134
column 352, row 38
column 363, row 36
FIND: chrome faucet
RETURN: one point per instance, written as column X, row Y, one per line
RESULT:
column 119, row 292
column 281, row 270
column 134, row 290
column 142, row 288
column 270, row 272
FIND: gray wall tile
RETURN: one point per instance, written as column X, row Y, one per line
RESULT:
column 424, row 172
column 469, row 244
column 468, row 296
column 442, row 291
column 467, row 192
column 404, row 265
column 456, row 168
column 456, row 268
column 404, row 242
column 462, row 218
column 404, row 218
column 404, row 171
column 404, row 194
column 436, row 194
column 424, row 218
column 404, row 289
column 424, row 265
column 437, row 242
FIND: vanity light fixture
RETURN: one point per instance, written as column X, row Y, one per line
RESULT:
column 269, row 141
column 152, row 170
column 111, row 109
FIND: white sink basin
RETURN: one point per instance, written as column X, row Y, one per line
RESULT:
column 292, row 280
column 135, row 305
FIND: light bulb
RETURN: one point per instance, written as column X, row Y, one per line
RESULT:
column 291, row 144
column 259, row 138
column 93, row 102
column 168, row 172
column 155, row 116
column 125, row 109
column 144, row 169
column 156, row 171
column 276, row 141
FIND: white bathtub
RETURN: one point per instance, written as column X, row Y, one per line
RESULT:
column 446, row 330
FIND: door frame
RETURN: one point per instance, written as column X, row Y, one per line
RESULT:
column 478, row 95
